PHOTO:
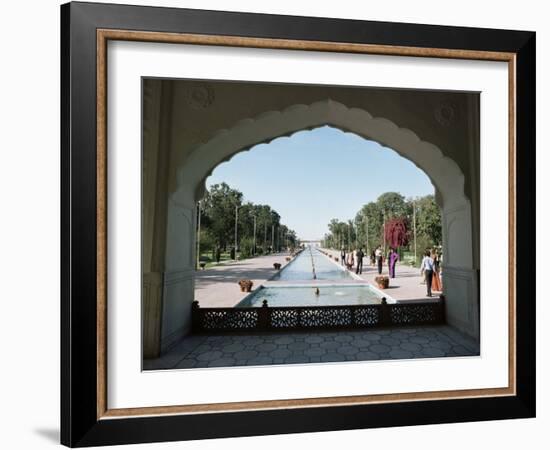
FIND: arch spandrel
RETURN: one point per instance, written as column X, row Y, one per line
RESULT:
column 443, row 172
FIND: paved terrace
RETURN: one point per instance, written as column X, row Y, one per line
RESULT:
column 258, row 349
column 218, row 286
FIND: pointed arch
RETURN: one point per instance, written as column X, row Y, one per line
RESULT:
column 443, row 172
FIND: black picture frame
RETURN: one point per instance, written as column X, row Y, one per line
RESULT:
column 80, row 425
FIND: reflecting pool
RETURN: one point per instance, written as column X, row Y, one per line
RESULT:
column 303, row 266
column 321, row 295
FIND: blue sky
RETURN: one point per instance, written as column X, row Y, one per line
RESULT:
column 314, row 176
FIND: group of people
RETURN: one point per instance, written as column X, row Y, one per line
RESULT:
column 377, row 258
column 350, row 259
column 429, row 268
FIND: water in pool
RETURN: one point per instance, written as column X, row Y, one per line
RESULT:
column 306, row 295
column 302, row 268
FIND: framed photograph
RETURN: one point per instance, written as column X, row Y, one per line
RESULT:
column 278, row 224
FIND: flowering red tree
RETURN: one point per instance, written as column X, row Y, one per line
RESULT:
column 396, row 232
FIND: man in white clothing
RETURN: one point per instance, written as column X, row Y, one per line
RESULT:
column 427, row 268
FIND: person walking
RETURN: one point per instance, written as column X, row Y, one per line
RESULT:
column 436, row 279
column 360, row 256
column 378, row 255
column 343, row 256
column 427, row 268
column 350, row 261
column 392, row 261
column 372, row 259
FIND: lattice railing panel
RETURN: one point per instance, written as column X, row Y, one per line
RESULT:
column 369, row 316
column 325, row 318
column 229, row 319
column 267, row 318
column 284, row 318
column 413, row 314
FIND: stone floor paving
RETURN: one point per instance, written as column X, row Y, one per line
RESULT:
column 261, row 349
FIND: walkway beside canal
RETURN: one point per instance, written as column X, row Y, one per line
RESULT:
column 218, row 286
column 407, row 285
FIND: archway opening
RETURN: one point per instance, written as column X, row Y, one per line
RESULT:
column 182, row 217
column 308, row 180
column 325, row 191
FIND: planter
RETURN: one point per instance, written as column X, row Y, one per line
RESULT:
column 287, row 258
column 246, row 285
column 277, row 266
column 382, row 282
column 202, row 265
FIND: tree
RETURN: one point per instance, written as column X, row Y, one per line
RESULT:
column 286, row 237
column 428, row 220
column 292, row 238
column 218, row 223
column 264, row 222
column 351, row 237
column 396, row 232
column 396, row 212
column 338, row 233
column 246, row 246
column 371, row 215
column 393, row 205
column 219, row 212
column 208, row 243
column 246, row 222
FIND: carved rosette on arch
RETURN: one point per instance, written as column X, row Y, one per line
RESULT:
column 445, row 113
column 200, row 96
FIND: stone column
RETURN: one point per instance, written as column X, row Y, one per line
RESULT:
column 460, row 278
column 179, row 285
column 157, row 112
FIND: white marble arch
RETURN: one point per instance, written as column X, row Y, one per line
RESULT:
column 444, row 173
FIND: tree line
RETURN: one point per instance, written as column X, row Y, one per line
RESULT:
column 259, row 229
column 389, row 220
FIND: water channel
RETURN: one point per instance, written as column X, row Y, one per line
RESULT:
column 299, row 285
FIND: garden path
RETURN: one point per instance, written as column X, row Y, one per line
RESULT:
column 407, row 286
column 218, row 286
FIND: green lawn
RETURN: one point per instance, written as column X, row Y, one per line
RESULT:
column 210, row 262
